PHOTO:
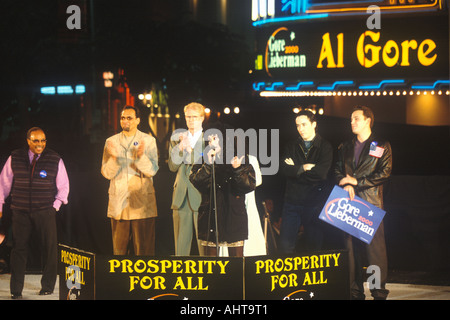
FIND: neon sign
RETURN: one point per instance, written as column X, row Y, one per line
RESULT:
column 345, row 50
column 63, row 90
column 282, row 51
column 275, row 11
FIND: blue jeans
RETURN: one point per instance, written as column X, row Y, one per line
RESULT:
column 293, row 217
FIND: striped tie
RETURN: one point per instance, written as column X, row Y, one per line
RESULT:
column 33, row 164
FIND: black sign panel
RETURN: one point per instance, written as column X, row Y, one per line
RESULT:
column 169, row 278
column 317, row 276
column 76, row 274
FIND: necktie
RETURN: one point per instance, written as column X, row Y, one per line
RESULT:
column 33, row 164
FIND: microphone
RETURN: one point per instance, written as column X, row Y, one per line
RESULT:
column 213, row 149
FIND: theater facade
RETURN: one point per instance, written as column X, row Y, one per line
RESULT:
column 392, row 55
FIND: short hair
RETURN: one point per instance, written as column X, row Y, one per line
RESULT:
column 195, row 106
column 136, row 110
column 31, row 130
column 367, row 112
column 309, row 114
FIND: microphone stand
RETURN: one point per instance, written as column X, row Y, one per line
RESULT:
column 213, row 206
column 213, row 177
column 267, row 223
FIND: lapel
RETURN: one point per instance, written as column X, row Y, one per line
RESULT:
column 196, row 153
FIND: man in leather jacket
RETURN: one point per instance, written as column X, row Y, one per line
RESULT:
column 305, row 164
column 363, row 166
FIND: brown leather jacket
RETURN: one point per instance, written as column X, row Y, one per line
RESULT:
column 371, row 172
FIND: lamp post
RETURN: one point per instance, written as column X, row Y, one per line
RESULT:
column 146, row 99
column 158, row 120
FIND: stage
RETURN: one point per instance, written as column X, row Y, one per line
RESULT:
column 398, row 291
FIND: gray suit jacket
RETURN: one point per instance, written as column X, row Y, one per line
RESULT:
column 181, row 163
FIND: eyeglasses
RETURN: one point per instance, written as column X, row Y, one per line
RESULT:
column 37, row 141
column 127, row 118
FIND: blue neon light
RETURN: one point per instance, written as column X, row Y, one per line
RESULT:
column 381, row 83
column 257, row 86
column 80, row 89
column 64, row 90
column 337, row 83
column 287, row 19
column 431, row 86
column 297, row 87
column 345, row 3
column 275, row 84
column 48, row 90
column 296, row 6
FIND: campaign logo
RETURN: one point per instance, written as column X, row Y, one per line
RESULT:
column 43, row 174
column 300, row 295
column 355, row 217
column 283, row 52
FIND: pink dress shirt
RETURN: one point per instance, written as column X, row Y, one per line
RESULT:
column 62, row 183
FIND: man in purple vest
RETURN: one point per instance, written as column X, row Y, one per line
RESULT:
column 37, row 181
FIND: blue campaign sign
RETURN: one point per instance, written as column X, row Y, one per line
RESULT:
column 356, row 217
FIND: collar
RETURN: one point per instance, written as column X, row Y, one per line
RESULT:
column 314, row 142
column 193, row 138
column 31, row 155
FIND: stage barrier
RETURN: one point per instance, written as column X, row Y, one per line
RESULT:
column 320, row 275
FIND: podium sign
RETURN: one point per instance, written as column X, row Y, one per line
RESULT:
column 356, row 217
column 319, row 276
column 76, row 274
column 169, row 278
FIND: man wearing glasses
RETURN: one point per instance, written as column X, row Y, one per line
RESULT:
column 184, row 151
column 130, row 160
column 37, row 181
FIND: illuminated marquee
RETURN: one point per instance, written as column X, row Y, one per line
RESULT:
column 317, row 55
column 275, row 11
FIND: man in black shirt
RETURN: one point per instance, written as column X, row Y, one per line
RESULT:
column 305, row 164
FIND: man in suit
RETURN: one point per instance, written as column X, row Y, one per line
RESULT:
column 130, row 160
column 363, row 166
column 186, row 148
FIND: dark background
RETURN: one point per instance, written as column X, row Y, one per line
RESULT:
column 155, row 42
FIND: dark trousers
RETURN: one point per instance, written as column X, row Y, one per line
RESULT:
column 293, row 217
column 43, row 223
column 361, row 255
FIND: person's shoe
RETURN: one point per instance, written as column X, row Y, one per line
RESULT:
column 16, row 296
column 45, row 292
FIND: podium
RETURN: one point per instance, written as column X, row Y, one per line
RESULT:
column 320, row 275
